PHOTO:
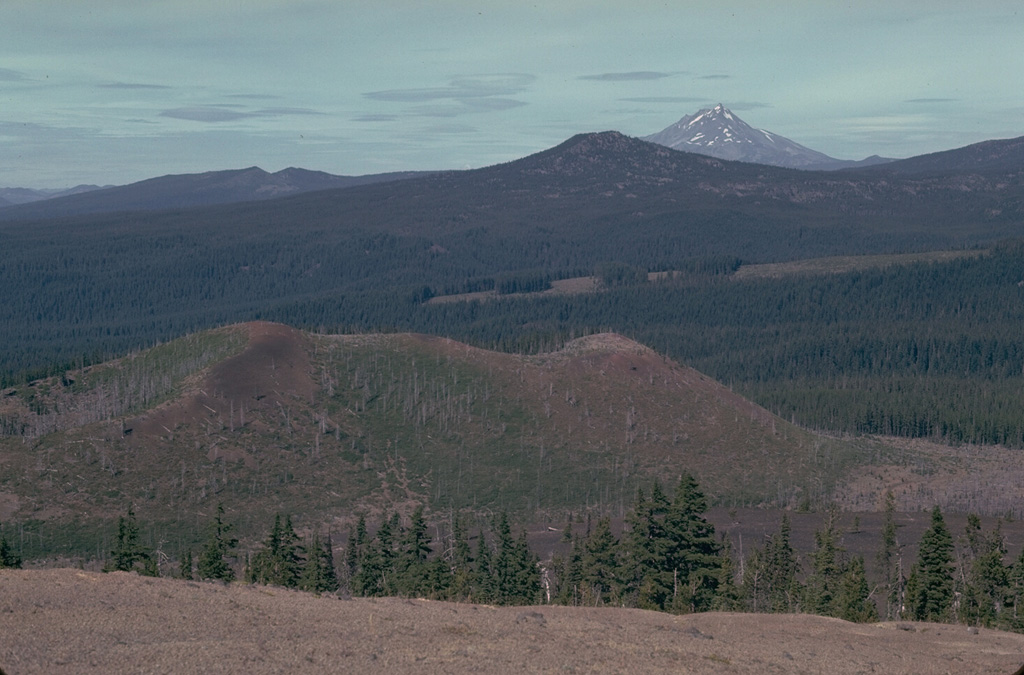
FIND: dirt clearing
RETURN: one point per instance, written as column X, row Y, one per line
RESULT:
column 70, row 621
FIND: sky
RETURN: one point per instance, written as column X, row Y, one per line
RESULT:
column 110, row 92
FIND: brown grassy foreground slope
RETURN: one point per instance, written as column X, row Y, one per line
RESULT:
column 68, row 621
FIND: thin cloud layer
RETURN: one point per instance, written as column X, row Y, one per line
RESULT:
column 664, row 99
column 206, row 114
column 470, row 94
column 287, row 111
column 8, row 75
column 375, row 118
column 382, row 89
column 459, row 89
column 131, row 86
column 635, row 76
column 230, row 113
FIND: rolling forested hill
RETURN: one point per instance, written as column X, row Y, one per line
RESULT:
column 927, row 349
column 266, row 419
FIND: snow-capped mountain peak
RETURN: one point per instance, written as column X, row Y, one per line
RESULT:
column 721, row 133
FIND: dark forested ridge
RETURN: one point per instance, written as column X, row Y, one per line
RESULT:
column 839, row 352
column 188, row 190
column 986, row 157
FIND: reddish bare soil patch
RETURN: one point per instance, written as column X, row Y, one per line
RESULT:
column 67, row 621
column 273, row 368
column 275, row 361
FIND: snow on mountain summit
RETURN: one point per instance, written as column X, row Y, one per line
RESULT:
column 718, row 132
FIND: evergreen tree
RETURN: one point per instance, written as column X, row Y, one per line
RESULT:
column 185, row 566
column 318, row 575
column 514, row 571
column 412, row 561
column 853, row 602
column 911, row 593
column 484, row 580
column 727, row 595
column 570, row 576
column 770, row 574
column 461, row 562
column 438, row 576
column 219, row 545
column 599, row 565
column 782, row 589
column 150, row 567
column 278, row 563
column 822, row 586
column 503, row 563
column 354, row 553
column 932, row 592
column 8, row 558
column 890, row 561
column 1014, row 619
column 754, row 584
column 648, row 581
column 526, row 579
column 129, row 552
column 376, row 575
column 694, row 554
column 259, row 568
column 986, row 593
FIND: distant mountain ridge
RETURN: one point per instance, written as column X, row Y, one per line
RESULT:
column 715, row 134
column 190, row 190
column 992, row 156
column 720, row 133
column 17, row 195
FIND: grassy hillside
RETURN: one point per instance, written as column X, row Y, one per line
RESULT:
column 69, row 621
column 267, row 419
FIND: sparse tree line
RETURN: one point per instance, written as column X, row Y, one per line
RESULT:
column 668, row 558
column 85, row 396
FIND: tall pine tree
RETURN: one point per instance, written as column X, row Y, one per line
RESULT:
column 821, row 592
column 986, row 592
column 890, row 561
column 646, row 573
column 318, row 574
column 695, row 555
column 279, row 562
column 461, row 562
column 411, row 564
column 129, row 554
column 599, row 566
column 8, row 558
column 219, row 545
column 930, row 588
column 853, row 603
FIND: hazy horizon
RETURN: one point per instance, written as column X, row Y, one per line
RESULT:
column 116, row 92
